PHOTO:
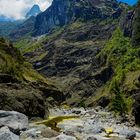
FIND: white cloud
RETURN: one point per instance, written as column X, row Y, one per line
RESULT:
column 17, row 8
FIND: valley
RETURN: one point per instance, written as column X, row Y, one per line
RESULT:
column 75, row 59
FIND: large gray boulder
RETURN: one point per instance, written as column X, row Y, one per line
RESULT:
column 6, row 134
column 15, row 121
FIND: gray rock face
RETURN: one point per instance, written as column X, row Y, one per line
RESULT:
column 62, row 12
column 6, row 134
column 15, row 121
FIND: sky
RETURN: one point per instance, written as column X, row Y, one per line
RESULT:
column 16, row 9
column 131, row 2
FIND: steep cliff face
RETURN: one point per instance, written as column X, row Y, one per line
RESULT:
column 136, row 26
column 62, row 12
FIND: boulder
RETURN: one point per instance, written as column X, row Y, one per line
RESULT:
column 15, row 121
column 131, row 135
column 6, row 134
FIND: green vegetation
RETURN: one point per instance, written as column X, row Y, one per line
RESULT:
column 82, row 104
column 120, row 103
column 124, row 59
column 12, row 63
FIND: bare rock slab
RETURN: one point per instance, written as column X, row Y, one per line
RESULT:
column 15, row 121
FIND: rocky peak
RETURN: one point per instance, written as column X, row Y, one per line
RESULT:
column 33, row 11
column 62, row 12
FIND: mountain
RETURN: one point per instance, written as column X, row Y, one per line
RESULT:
column 21, row 88
column 22, row 30
column 34, row 11
column 88, row 53
column 88, row 49
column 62, row 12
column 17, row 29
column 4, row 18
column 68, row 54
column 26, row 27
column 6, row 27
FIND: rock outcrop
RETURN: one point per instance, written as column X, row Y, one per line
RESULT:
column 15, row 121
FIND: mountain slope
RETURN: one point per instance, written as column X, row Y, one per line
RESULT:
column 90, row 56
column 22, row 30
column 67, row 56
column 136, row 26
column 22, row 88
column 7, row 26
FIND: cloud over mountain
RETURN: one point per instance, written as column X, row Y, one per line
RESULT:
column 17, row 8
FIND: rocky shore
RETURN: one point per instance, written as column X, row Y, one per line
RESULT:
column 90, row 124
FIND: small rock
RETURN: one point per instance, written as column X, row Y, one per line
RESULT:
column 15, row 121
column 91, row 138
column 131, row 135
column 65, row 137
column 99, row 130
column 6, row 134
column 76, row 112
column 98, row 108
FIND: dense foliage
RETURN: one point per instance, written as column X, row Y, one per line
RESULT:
column 12, row 63
column 124, row 59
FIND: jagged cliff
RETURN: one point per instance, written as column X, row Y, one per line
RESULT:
column 62, row 12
